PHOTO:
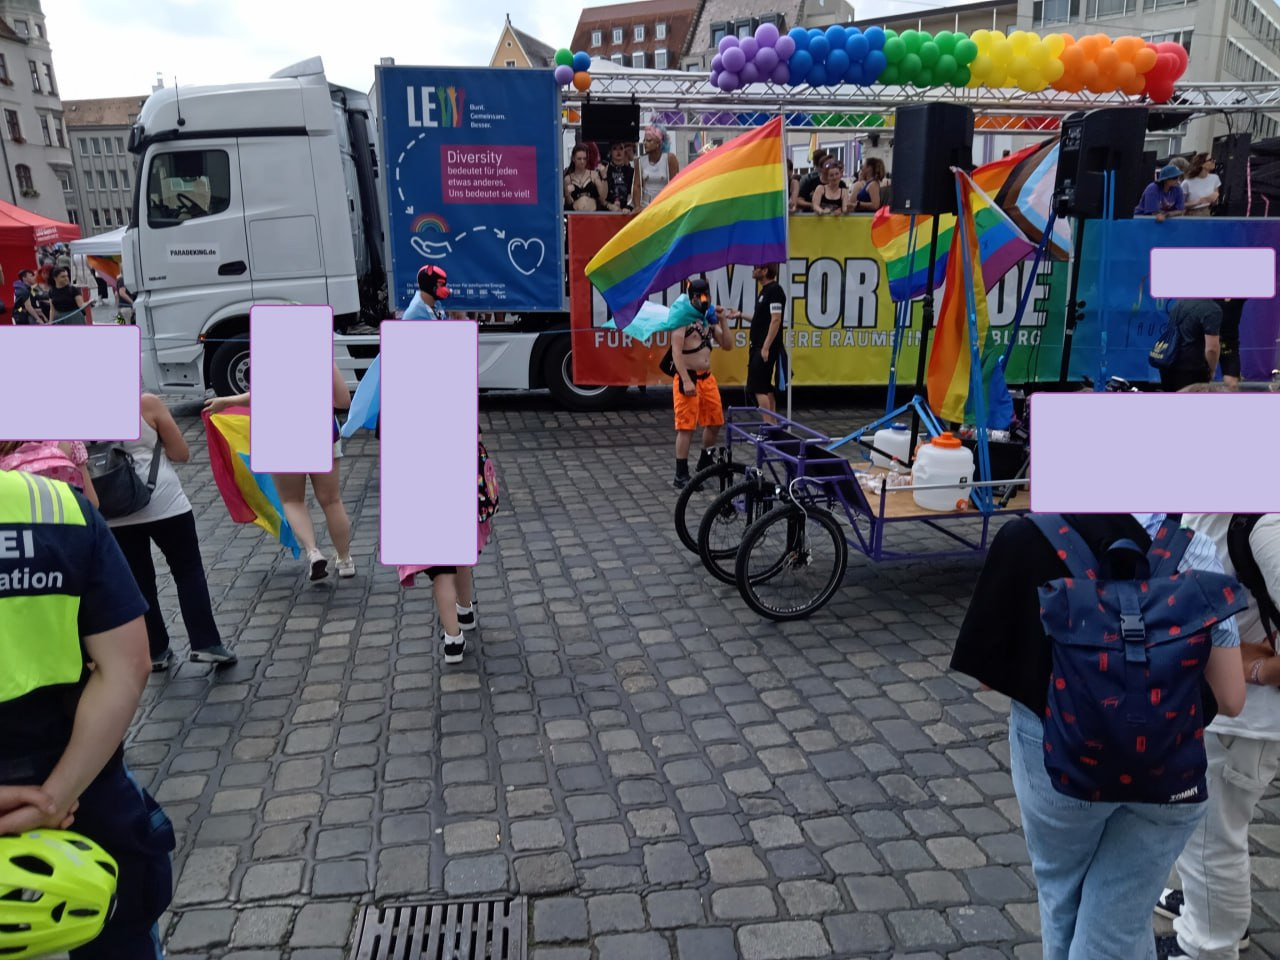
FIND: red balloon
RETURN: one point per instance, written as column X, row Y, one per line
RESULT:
column 1179, row 53
column 1159, row 91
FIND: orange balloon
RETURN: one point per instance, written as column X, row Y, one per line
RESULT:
column 1144, row 59
column 1136, row 86
column 1107, row 60
column 1088, row 75
column 1124, row 75
column 1073, row 58
column 581, row 81
column 1127, row 47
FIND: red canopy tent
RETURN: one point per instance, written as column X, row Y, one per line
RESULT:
column 21, row 232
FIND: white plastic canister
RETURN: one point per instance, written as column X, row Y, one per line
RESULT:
column 945, row 460
column 894, row 440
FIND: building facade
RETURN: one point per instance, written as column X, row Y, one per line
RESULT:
column 33, row 142
column 649, row 35
column 1227, row 41
column 518, row 49
column 99, row 131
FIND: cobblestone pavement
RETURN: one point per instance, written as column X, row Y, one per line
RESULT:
column 664, row 774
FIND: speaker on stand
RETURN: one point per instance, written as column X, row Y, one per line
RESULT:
column 928, row 140
column 1107, row 140
column 1231, row 158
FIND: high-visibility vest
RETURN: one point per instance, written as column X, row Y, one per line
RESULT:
column 39, row 585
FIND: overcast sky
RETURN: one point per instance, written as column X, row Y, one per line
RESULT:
column 115, row 48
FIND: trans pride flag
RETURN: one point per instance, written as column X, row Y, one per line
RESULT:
column 250, row 497
column 728, row 206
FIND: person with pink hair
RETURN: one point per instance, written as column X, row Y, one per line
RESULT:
column 655, row 168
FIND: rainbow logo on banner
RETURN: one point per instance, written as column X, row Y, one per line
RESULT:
column 429, row 221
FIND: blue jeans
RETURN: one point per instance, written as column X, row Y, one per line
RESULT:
column 1099, row 867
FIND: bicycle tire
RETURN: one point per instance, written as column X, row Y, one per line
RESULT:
column 759, row 496
column 721, row 476
column 798, row 519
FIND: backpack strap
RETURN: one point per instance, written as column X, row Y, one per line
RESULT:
column 155, row 464
column 1168, row 547
column 1072, row 550
column 1247, row 570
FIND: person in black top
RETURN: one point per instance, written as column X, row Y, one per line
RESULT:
column 1229, row 359
column 766, row 355
column 809, row 182
column 25, row 310
column 68, row 305
column 582, row 185
column 1199, row 344
column 618, row 178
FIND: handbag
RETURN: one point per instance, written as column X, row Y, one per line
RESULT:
column 121, row 492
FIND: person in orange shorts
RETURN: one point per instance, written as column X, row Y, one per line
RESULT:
column 694, row 390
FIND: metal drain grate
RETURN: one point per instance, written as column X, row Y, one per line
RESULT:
column 455, row 930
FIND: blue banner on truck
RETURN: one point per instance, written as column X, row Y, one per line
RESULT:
column 473, row 184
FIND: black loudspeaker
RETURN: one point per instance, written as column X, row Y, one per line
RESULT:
column 1110, row 139
column 1231, row 153
column 1150, row 161
column 928, row 140
column 611, row 122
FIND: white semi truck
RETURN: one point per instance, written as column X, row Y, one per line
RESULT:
column 274, row 192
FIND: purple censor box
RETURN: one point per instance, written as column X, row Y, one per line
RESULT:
column 291, row 398
column 429, row 401
column 1153, row 453
column 70, row 383
column 1240, row 273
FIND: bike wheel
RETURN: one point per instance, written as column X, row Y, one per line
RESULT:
column 703, row 487
column 814, row 555
column 727, row 519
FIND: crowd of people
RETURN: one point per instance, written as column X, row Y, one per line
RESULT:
column 46, row 294
column 1182, row 188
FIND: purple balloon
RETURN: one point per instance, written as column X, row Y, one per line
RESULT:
column 785, row 46
column 748, row 46
column 715, row 78
column 781, row 74
column 729, row 82
column 766, row 59
column 564, row 75
column 767, row 35
column 734, row 59
column 727, row 42
column 750, row 74
column 717, row 63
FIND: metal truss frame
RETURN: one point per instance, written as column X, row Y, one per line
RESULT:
column 688, row 102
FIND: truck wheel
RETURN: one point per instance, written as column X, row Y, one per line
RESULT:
column 229, row 367
column 557, row 370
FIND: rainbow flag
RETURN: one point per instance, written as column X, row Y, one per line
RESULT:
column 728, row 206
column 250, row 497
column 950, row 360
column 1001, row 244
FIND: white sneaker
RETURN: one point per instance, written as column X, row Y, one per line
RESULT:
column 346, row 568
column 454, row 648
column 466, row 616
column 319, row 565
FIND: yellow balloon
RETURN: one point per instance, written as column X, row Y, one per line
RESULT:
column 978, row 37
column 1039, row 56
column 1001, row 53
column 980, row 68
column 1021, row 42
column 1053, row 71
column 1056, row 43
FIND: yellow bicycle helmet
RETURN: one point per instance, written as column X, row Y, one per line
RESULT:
column 57, row 889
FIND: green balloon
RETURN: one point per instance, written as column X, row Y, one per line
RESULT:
column 929, row 53
column 924, row 78
column 961, row 78
column 914, row 40
column 910, row 67
column 564, row 58
column 890, row 32
column 890, row 74
column 946, row 42
column 965, row 51
column 895, row 49
column 945, row 69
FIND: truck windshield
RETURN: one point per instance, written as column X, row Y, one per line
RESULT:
column 185, row 184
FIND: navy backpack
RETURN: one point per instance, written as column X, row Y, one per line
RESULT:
column 1130, row 641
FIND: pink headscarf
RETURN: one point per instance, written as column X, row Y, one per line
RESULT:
column 655, row 131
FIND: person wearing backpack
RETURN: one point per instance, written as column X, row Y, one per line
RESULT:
column 1113, row 704
column 1211, row 912
column 1188, row 350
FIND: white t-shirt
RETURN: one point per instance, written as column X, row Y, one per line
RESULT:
column 1260, row 718
column 1197, row 189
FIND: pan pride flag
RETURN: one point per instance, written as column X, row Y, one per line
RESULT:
column 250, row 497
column 728, row 206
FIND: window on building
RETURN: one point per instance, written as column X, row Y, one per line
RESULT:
column 84, row 146
column 1100, row 9
column 187, row 184
column 744, row 28
column 44, row 128
column 23, row 174
column 120, row 145
column 59, row 130
column 65, row 181
column 1056, row 11
column 13, row 126
column 637, row 59
column 73, row 215
column 124, row 179
column 616, row 58
column 509, row 63
column 1164, row 4
column 660, row 60
column 35, row 76
column 52, row 84
column 97, row 217
column 718, row 32
column 114, row 178
column 120, row 217
column 97, row 146
column 617, row 34
column 106, row 145
column 102, row 180
column 638, row 33
column 40, row 30
column 4, row 71
column 597, row 37
column 23, row 28
column 660, row 30
column 106, row 217
column 1172, row 36
column 1243, row 65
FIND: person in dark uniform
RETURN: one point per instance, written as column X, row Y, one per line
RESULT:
column 766, row 357
column 67, row 598
column 1229, row 361
column 1199, row 344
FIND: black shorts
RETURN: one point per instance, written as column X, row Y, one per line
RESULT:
column 761, row 374
column 1229, row 359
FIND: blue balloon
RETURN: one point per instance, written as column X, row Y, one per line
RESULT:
column 837, row 64
column 581, row 61
column 801, row 36
column 819, row 46
column 875, row 37
column 855, row 75
column 873, row 66
column 814, row 32
column 817, row 76
column 857, row 47
column 836, row 36
column 801, row 64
